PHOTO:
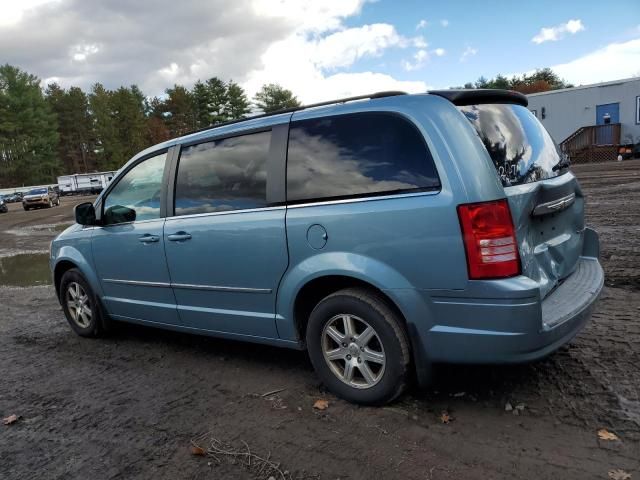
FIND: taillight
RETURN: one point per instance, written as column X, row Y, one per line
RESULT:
column 489, row 240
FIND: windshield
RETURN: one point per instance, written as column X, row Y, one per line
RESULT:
column 521, row 148
column 38, row 191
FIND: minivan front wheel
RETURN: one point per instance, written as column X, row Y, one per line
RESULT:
column 359, row 347
column 80, row 305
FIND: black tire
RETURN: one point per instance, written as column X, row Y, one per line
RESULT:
column 26, row 209
column 98, row 321
column 365, row 307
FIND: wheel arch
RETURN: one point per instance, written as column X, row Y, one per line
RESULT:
column 305, row 284
column 312, row 292
column 61, row 267
column 69, row 257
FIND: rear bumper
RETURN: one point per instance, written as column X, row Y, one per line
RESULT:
column 505, row 322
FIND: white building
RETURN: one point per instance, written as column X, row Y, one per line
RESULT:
column 599, row 117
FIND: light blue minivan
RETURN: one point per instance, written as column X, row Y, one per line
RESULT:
column 381, row 233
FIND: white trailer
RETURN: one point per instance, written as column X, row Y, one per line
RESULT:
column 84, row 183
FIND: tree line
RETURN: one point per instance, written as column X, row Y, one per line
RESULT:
column 541, row 80
column 46, row 133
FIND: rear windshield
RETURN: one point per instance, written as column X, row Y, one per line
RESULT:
column 521, row 148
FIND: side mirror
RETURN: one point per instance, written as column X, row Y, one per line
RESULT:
column 119, row 214
column 85, row 214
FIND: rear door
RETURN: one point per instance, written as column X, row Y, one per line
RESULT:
column 545, row 199
column 226, row 242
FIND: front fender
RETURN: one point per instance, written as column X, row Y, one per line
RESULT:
column 72, row 254
column 357, row 266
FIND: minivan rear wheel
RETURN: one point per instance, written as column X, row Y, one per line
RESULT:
column 358, row 347
column 80, row 305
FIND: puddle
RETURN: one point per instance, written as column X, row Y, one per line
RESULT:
column 25, row 270
column 48, row 229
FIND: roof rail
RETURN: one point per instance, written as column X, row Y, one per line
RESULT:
column 390, row 93
column 474, row 96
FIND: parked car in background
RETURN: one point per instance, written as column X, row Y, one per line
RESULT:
column 40, row 197
column 13, row 198
column 3, row 206
column 383, row 234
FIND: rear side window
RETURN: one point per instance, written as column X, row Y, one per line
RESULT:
column 223, row 175
column 521, row 149
column 358, row 154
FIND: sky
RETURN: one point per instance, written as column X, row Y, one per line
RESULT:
column 318, row 49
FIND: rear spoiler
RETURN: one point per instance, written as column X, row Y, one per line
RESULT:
column 477, row 96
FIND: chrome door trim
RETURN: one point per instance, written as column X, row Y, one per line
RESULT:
column 226, row 212
column 554, row 206
column 189, row 286
column 137, row 282
column 218, row 288
column 365, row 199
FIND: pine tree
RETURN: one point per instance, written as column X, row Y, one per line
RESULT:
column 178, row 113
column 273, row 97
column 109, row 152
column 217, row 100
column 28, row 131
column 75, row 128
column 200, row 98
column 238, row 105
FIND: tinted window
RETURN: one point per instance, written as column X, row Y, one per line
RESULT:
column 521, row 148
column 137, row 191
column 222, row 175
column 357, row 154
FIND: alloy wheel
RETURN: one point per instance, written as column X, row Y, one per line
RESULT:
column 79, row 305
column 353, row 350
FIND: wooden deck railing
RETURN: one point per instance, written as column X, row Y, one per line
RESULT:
column 592, row 135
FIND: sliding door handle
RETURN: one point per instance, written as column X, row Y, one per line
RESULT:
column 179, row 237
column 147, row 238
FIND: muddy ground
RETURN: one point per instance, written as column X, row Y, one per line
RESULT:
column 130, row 405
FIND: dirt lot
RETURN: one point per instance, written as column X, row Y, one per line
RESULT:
column 129, row 406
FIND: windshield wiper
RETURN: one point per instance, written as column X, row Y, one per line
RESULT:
column 564, row 163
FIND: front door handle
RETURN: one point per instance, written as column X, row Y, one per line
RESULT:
column 179, row 237
column 148, row 238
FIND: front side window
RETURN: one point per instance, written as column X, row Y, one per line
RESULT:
column 223, row 175
column 136, row 196
column 357, row 154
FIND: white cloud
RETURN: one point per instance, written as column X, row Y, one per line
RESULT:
column 444, row 22
column 612, row 62
column 343, row 48
column 419, row 59
column 468, row 52
column 305, row 61
column 419, row 42
column 422, row 24
column 302, row 44
column 82, row 51
column 308, row 15
column 553, row 34
column 13, row 11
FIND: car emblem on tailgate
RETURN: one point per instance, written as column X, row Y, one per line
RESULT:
column 554, row 206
